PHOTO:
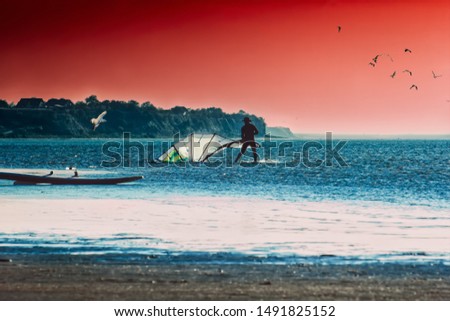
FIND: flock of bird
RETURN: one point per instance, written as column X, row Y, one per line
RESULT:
column 374, row 62
column 99, row 120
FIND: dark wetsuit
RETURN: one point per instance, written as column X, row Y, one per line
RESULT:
column 248, row 132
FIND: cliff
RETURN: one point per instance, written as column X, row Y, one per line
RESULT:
column 280, row 132
column 144, row 120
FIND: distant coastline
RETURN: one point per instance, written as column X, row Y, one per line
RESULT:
column 315, row 136
column 62, row 118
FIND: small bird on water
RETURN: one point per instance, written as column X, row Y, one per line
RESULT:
column 393, row 74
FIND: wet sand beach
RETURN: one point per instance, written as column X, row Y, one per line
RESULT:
column 207, row 248
column 85, row 279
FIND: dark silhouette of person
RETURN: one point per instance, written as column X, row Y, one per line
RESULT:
column 248, row 132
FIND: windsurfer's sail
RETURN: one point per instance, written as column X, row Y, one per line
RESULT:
column 197, row 148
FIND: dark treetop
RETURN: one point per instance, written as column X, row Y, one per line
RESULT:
column 34, row 117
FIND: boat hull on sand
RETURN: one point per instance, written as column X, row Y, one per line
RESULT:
column 24, row 179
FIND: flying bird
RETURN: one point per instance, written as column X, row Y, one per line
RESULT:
column 435, row 76
column 339, row 28
column 372, row 64
column 413, row 86
column 393, row 74
column 408, row 50
column 390, row 57
column 97, row 121
column 408, row 71
column 374, row 59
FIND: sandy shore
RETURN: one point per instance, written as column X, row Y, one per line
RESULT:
column 85, row 279
column 39, row 230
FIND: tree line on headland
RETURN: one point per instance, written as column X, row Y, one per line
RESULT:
column 35, row 118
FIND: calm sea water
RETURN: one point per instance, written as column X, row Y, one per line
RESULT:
column 392, row 202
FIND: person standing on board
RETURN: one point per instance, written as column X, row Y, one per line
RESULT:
column 248, row 132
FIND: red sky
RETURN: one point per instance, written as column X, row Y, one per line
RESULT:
column 281, row 59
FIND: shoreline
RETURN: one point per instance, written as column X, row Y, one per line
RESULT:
column 83, row 229
column 84, row 278
column 224, row 224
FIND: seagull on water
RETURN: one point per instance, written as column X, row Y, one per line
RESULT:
column 97, row 121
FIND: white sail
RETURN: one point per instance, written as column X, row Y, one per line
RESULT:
column 197, row 148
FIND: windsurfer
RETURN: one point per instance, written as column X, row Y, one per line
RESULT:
column 248, row 132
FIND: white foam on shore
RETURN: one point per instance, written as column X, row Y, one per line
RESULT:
column 217, row 224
